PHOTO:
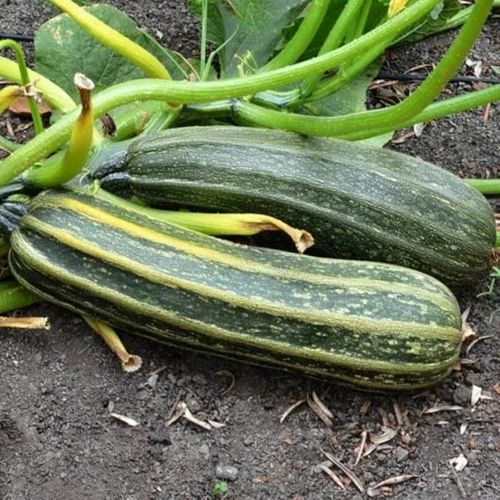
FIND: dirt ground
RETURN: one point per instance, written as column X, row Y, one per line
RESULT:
column 58, row 388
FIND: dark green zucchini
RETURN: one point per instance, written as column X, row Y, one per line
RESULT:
column 358, row 202
column 368, row 325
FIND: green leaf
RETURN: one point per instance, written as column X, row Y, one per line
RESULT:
column 62, row 49
column 433, row 23
column 253, row 28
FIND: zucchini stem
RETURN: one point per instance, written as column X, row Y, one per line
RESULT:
column 55, row 173
column 14, row 296
column 485, row 186
column 308, row 28
column 334, row 40
column 9, row 146
column 129, row 362
column 218, row 224
column 114, row 40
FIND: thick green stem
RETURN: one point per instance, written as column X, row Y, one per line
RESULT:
column 361, row 23
column 333, row 40
column 345, row 75
column 302, row 38
column 8, row 146
column 485, row 186
column 133, row 120
column 25, row 80
column 52, row 93
column 497, row 242
column 164, row 118
column 200, row 92
column 114, row 40
column 367, row 124
column 14, row 296
column 204, row 30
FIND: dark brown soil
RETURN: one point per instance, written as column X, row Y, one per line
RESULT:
column 58, row 440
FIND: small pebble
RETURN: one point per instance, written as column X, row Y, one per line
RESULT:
column 226, row 472
column 194, row 405
column 204, row 450
column 472, row 456
column 401, row 454
column 248, row 441
column 199, row 379
column 462, row 395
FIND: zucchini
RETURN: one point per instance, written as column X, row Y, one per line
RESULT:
column 359, row 202
column 369, row 325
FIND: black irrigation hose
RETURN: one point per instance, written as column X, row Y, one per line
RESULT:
column 415, row 77
column 17, row 38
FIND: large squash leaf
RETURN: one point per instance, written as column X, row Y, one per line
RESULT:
column 247, row 30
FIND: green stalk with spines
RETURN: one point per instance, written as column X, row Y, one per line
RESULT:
column 302, row 38
column 25, row 79
column 363, row 125
column 202, row 92
column 114, row 40
column 333, row 41
column 56, row 173
column 14, row 296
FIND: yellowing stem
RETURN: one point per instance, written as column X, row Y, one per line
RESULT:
column 56, row 172
column 219, row 224
column 130, row 362
column 114, row 40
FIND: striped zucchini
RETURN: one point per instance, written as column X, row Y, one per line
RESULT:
column 358, row 202
column 369, row 325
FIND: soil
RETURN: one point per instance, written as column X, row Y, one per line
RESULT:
column 58, row 439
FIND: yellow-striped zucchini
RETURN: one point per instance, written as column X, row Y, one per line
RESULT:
column 369, row 325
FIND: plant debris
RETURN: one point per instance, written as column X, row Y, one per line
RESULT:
column 438, row 409
column 290, row 409
column 127, row 420
column 333, row 476
column 355, row 479
column 373, row 491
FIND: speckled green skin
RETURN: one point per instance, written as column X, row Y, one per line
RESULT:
column 359, row 202
column 369, row 325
